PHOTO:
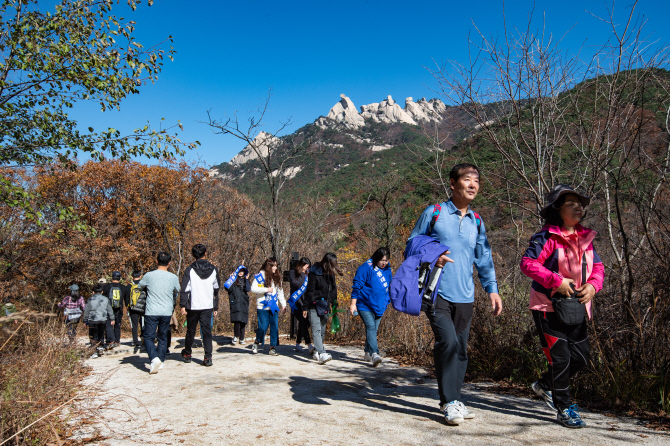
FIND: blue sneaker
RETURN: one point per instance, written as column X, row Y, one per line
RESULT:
column 544, row 394
column 570, row 417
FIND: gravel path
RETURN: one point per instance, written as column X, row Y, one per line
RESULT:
column 289, row 399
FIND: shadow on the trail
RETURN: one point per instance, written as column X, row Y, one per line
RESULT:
column 137, row 361
column 371, row 393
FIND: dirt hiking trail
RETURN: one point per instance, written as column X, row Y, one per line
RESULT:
column 247, row 399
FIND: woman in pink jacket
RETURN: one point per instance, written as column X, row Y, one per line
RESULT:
column 557, row 258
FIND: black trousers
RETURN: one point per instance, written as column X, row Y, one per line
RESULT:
column 204, row 317
column 451, row 326
column 136, row 319
column 567, row 350
column 303, row 328
column 97, row 333
column 113, row 334
column 239, row 329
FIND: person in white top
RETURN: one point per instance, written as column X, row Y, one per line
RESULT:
column 199, row 302
column 267, row 284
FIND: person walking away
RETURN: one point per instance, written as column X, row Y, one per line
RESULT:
column 119, row 297
column 561, row 256
column 370, row 297
column 199, row 301
column 97, row 312
column 299, row 281
column 238, row 298
column 317, row 301
column 267, row 284
column 136, row 306
column 450, row 316
column 73, row 309
column 162, row 288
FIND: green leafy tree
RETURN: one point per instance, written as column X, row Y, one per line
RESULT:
column 49, row 61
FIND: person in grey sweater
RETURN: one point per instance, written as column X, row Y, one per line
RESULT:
column 97, row 311
column 162, row 288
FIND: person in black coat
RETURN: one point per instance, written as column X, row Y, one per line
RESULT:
column 318, row 299
column 297, row 278
column 239, row 305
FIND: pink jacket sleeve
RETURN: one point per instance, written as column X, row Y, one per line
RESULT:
column 597, row 277
column 532, row 263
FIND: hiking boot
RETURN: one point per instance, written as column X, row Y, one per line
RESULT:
column 207, row 362
column 155, row 365
column 375, row 360
column 544, row 394
column 452, row 413
column 187, row 358
column 254, row 348
column 570, row 417
column 235, row 341
column 324, row 358
column 273, row 352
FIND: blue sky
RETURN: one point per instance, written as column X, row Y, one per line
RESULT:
column 230, row 52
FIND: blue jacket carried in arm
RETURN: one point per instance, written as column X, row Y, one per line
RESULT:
column 368, row 289
column 468, row 245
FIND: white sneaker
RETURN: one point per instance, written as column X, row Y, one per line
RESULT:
column 242, row 342
column 94, row 355
column 254, row 348
column 298, row 348
column 155, row 364
column 315, row 355
column 324, row 358
column 162, row 366
column 376, row 359
column 452, row 413
column 367, row 357
column 467, row 415
column 235, row 340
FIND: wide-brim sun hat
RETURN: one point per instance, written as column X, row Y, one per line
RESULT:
column 556, row 192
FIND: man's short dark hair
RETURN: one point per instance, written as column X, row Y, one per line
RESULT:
column 461, row 169
column 97, row 288
column 136, row 273
column 199, row 251
column 163, row 258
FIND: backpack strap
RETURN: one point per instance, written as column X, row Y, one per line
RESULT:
column 436, row 214
column 478, row 219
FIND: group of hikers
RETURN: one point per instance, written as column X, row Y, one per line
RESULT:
column 565, row 269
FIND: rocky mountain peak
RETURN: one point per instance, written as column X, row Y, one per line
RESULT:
column 388, row 110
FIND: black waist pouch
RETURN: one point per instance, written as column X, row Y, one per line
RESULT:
column 568, row 310
column 321, row 307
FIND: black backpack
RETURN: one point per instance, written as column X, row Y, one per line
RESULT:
column 115, row 296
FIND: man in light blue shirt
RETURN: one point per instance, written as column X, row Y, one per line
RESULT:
column 162, row 290
column 461, row 229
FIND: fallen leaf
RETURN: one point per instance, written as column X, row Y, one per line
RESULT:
column 182, row 389
column 289, row 432
column 643, row 435
column 204, row 424
column 260, row 436
column 162, row 431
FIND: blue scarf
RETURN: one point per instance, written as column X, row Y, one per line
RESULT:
column 380, row 275
column 270, row 299
column 297, row 294
column 233, row 277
